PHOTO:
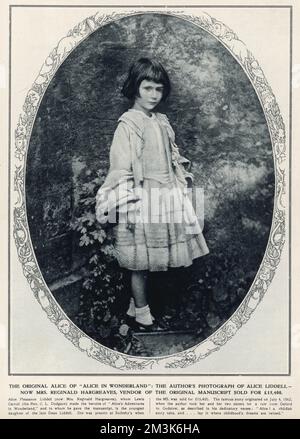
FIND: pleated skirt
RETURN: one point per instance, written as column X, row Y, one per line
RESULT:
column 165, row 232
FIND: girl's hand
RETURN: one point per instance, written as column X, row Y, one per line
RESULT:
column 189, row 182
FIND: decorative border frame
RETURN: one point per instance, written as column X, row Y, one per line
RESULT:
column 276, row 240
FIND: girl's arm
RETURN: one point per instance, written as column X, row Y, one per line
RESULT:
column 118, row 188
column 182, row 165
column 120, row 151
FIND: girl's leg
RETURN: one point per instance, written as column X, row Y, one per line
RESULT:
column 138, row 287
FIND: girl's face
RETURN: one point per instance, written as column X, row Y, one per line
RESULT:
column 150, row 95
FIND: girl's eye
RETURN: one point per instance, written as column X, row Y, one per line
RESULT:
column 160, row 90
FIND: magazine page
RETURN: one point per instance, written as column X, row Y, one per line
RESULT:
column 149, row 170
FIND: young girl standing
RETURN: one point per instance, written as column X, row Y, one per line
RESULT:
column 146, row 185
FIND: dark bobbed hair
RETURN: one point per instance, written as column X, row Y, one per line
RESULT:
column 145, row 69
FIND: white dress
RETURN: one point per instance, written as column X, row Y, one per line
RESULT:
column 164, row 230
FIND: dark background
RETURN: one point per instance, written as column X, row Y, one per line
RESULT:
column 219, row 126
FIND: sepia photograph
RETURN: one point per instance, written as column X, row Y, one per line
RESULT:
column 150, row 181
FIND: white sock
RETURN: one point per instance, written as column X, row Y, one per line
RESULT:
column 143, row 315
column 131, row 310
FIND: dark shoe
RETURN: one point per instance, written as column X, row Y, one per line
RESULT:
column 136, row 326
column 155, row 327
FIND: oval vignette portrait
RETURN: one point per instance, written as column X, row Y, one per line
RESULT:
column 220, row 128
